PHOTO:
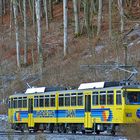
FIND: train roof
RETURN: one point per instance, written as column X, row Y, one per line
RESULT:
column 68, row 91
column 89, row 87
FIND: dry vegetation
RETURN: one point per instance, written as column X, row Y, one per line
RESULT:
column 64, row 71
column 131, row 132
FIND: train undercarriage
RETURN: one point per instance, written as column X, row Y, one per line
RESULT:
column 67, row 128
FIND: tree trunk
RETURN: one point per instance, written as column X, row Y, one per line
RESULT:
column 76, row 17
column 25, row 32
column 1, row 11
column 57, row 1
column 4, row 7
column 32, row 10
column 51, row 9
column 65, row 18
column 92, row 9
column 16, row 32
column 120, row 6
column 1, row 5
column 21, row 9
column 39, row 35
column 110, row 19
column 99, row 17
column 46, row 13
column 87, row 15
column 11, row 17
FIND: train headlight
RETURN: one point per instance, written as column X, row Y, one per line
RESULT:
column 128, row 114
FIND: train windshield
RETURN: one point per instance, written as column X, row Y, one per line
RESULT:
column 132, row 98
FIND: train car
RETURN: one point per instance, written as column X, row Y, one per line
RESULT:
column 102, row 106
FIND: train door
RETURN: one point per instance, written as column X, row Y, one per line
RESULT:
column 88, row 118
column 30, row 113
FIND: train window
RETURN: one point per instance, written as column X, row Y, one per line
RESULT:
column 15, row 102
column 47, row 104
column 19, row 102
column 95, row 98
column 52, row 101
column 46, row 96
column 12, row 103
column 67, row 100
column 110, row 97
column 53, row 96
column 80, row 99
column 36, row 101
column 41, row 101
column 118, row 98
column 103, row 98
column 73, row 99
column 24, row 102
column 61, row 100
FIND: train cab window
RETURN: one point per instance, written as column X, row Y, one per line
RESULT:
column 19, row 102
column 15, row 103
column 47, row 101
column 95, row 98
column 110, row 97
column 41, row 101
column 24, row 102
column 118, row 98
column 36, row 101
column 61, row 99
column 103, row 98
column 67, row 99
column 73, row 99
column 80, row 99
column 52, row 100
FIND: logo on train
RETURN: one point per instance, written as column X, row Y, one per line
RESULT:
column 138, row 113
column 17, row 116
column 105, row 114
column 45, row 113
column 71, row 113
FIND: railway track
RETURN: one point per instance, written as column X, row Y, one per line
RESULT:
column 18, row 133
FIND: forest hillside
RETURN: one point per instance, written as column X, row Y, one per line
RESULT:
column 66, row 42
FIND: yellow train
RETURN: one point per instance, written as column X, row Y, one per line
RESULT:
column 98, row 107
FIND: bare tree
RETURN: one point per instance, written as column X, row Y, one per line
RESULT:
column 76, row 17
column 86, row 4
column 110, row 18
column 16, row 32
column 25, row 31
column 20, row 6
column 121, row 11
column 1, row 5
column 39, row 35
column 51, row 9
column 1, row 11
column 46, row 13
column 11, row 17
column 99, row 17
column 32, row 9
column 65, row 18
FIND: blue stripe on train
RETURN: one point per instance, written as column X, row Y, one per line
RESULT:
column 105, row 114
column 70, row 113
column 19, row 115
